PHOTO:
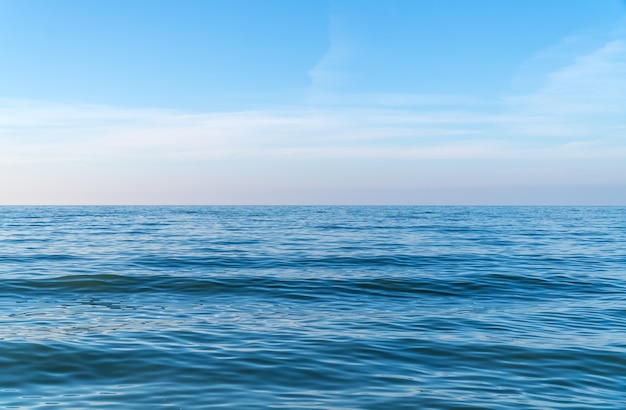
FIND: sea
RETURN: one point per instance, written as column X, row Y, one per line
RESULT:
column 312, row 307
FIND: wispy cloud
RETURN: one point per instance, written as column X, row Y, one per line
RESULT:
column 32, row 132
column 578, row 111
column 595, row 84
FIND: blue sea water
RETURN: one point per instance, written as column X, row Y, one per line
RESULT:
column 313, row 307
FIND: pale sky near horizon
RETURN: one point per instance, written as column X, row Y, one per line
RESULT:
column 313, row 102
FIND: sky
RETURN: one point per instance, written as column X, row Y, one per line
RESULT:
column 430, row 102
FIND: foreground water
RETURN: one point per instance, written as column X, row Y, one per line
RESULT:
column 313, row 307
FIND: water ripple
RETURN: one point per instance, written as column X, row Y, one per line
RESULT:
column 312, row 307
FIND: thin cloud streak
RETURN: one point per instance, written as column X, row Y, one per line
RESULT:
column 578, row 112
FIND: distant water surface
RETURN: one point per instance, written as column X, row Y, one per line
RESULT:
column 313, row 307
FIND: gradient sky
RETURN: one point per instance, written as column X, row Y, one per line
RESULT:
column 313, row 102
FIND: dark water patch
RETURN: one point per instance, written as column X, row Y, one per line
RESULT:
column 494, row 286
column 38, row 258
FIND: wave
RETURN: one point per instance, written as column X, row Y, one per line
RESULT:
column 492, row 285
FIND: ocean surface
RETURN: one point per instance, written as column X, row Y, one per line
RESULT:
column 313, row 307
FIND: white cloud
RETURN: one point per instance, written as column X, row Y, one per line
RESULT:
column 595, row 84
column 579, row 111
column 584, row 101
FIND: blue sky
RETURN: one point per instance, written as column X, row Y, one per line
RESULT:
column 313, row 102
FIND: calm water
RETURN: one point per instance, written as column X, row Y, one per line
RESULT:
column 313, row 307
